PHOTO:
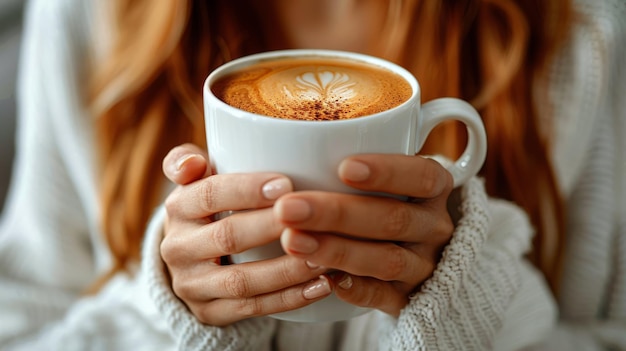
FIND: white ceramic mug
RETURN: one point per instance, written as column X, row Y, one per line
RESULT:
column 309, row 152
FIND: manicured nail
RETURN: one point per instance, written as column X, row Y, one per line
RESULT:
column 355, row 171
column 345, row 282
column 299, row 242
column 312, row 265
column 181, row 162
column 318, row 288
column 275, row 188
column 293, row 210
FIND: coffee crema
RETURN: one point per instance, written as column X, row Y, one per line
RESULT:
column 313, row 89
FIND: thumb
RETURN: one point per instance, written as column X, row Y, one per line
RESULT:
column 185, row 164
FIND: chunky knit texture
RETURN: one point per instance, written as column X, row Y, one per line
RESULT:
column 482, row 295
column 448, row 311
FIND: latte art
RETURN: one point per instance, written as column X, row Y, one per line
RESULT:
column 313, row 89
column 323, row 86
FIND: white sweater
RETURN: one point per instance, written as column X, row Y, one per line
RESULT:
column 483, row 294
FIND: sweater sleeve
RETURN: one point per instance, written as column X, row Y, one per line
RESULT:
column 592, row 296
column 45, row 254
column 482, row 295
column 487, row 297
column 50, row 247
column 250, row 334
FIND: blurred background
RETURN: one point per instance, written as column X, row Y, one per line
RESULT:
column 11, row 13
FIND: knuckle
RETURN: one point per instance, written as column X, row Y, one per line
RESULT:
column 444, row 231
column 250, row 307
column 169, row 251
column 432, row 181
column 223, row 236
column 286, row 273
column 286, row 299
column 447, row 227
column 171, row 203
column 209, row 191
column 295, row 271
column 430, row 186
column 236, row 284
column 165, row 249
column 449, row 181
column 340, row 256
column 371, row 297
column 442, row 227
column 290, row 299
column 205, row 315
column 395, row 265
column 435, row 180
column 181, row 288
column 397, row 221
column 428, row 267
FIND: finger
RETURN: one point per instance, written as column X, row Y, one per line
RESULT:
column 370, row 292
column 364, row 216
column 298, row 296
column 245, row 280
column 381, row 260
column 192, row 242
column 185, row 164
column 225, row 192
column 413, row 176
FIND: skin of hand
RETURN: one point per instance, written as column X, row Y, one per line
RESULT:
column 379, row 249
column 386, row 247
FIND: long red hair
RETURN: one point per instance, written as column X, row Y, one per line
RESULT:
column 146, row 94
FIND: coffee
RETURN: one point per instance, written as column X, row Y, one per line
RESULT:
column 310, row 152
column 311, row 88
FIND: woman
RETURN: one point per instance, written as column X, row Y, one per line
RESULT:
column 88, row 263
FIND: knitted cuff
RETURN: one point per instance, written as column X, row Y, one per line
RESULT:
column 462, row 305
column 251, row 334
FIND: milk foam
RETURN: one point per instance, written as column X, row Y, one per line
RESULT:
column 313, row 89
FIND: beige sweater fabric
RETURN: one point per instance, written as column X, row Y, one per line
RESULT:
column 483, row 294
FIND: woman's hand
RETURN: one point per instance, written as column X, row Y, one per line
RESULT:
column 387, row 247
column 194, row 242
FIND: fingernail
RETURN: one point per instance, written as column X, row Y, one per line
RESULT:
column 355, row 171
column 311, row 265
column 301, row 243
column 316, row 289
column 275, row 188
column 181, row 162
column 294, row 210
column 345, row 282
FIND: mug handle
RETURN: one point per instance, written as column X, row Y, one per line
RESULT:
column 444, row 109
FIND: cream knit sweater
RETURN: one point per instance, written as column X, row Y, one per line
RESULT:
column 483, row 295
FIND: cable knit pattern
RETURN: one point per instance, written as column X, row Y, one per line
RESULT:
column 593, row 292
column 449, row 313
column 482, row 295
column 594, row 233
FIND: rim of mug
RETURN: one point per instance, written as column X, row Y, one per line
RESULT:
column 250, row 60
